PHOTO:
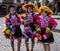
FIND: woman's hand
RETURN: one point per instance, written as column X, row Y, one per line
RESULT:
column 25, row 35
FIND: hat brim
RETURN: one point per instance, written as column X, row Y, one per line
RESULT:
column 24, row 7
column 45, row 8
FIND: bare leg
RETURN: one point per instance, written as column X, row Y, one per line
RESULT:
column 12, row 44
column 32, row 44
column 18, row 44
column 27, row 43
column 44, row 46
column 48, row 47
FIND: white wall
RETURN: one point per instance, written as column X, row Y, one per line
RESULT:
column 22, row 1
column 0, row 1
column 15, row 1
column 50, row 0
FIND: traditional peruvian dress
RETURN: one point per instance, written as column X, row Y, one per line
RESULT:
column 28, row 23
column 13, row 25
column 45, row 27
column 31, row 21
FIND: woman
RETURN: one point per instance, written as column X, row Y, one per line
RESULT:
column 29, row 22
column 13, row 30
column 46, row 24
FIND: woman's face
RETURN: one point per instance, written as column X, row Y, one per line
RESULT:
column 12, row 10
column 44, row 14
column 29, row 9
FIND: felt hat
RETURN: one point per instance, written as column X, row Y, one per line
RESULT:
column 30, row 4
column 47, row 9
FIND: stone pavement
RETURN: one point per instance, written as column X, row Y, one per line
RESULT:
column 5, row 43
column 56, row 16
column 58, row 22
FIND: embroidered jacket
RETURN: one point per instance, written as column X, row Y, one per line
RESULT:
column 46, row 22
column 12, row 19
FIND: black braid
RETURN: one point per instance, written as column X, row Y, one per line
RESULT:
column 17, row 17
column 33, row 17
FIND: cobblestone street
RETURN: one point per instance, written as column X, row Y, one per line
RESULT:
column 5, row 43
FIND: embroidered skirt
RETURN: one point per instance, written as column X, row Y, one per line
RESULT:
column 48, row 39
column 18, row 33
column 32, row 26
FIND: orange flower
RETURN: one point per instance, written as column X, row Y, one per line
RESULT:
column 23, row 16
column 39, row 36
column 47, row 31
column 12, row 33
